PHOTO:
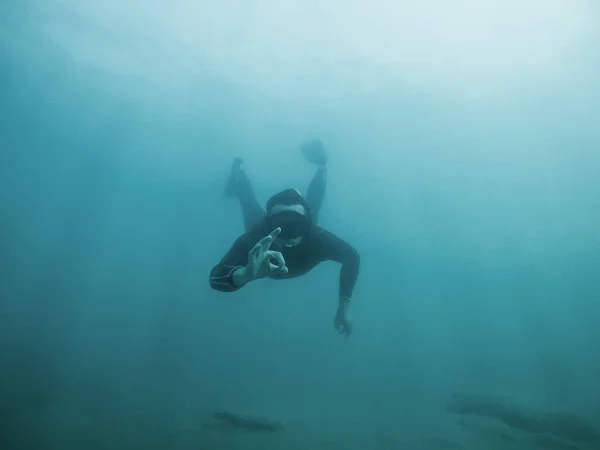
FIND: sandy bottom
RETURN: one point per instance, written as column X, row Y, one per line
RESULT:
column 93, row 426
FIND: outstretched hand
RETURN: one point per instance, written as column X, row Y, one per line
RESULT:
column 342, row 322
column 262, row 261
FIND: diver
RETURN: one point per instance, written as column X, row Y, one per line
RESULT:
column 284, row 241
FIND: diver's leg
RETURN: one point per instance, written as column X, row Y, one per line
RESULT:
column 314, row 152
column 239, row 186
column 316, row 192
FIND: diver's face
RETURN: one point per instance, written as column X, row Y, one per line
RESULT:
column 289, row 242
column 294, row 224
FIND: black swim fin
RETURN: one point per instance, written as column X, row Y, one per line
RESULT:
column 314, row 151
column 237, row 168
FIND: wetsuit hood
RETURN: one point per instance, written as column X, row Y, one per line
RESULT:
column 289, row 197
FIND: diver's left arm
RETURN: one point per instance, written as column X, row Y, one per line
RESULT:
column 333, row 248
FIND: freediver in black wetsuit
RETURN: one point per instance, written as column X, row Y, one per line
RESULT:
column 284, row 240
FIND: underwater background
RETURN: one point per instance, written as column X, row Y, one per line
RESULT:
column 463, row 142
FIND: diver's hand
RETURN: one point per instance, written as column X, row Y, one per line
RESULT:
column 343, row 321
column 262, row 261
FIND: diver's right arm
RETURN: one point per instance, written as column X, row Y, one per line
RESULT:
column 241, row 266
column 239, row 277
column 225, row 276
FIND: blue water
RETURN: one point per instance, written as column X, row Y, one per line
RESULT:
column 463, row 167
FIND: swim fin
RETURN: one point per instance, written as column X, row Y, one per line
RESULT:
column 314, row 151
column 237, row 169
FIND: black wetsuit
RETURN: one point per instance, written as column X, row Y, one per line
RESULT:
column 319, row 246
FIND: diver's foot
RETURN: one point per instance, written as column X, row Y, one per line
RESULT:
column 314, row 151
column 237, row 170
